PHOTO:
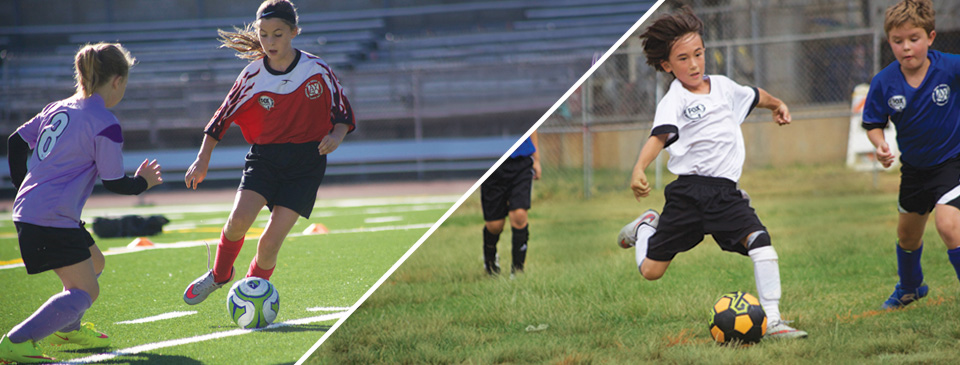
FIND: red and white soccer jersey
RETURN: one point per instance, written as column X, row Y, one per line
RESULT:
column 297, row 106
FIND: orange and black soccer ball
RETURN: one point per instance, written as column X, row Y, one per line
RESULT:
column 737, row 317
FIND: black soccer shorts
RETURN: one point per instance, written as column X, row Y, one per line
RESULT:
column 286, row 174
column 698, row 205
column 508, row 188
column 47, row 248
column 921, row 189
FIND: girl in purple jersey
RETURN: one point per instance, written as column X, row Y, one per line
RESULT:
column 69, row 145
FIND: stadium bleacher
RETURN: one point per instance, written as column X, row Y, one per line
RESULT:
column 440, row 65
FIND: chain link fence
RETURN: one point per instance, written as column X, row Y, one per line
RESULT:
column 810, row 54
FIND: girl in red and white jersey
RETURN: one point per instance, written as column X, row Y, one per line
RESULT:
column 291, row 108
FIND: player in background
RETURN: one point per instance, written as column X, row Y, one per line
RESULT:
column 291, row 108
column 73, row 141
column 698, row 122
column 506, row 192
column 917, row 93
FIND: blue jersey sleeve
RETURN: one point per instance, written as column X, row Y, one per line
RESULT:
column 875, row 111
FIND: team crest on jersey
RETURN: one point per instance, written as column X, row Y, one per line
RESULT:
column 695, row 112
column 266, row 102
column 897, row 102
column 941, row 94
column 313, row 89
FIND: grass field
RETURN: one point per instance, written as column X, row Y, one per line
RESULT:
column 318, row 276
column 582, row 300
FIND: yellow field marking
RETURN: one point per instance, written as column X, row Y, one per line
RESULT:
column 254, row 231
column 11, row 262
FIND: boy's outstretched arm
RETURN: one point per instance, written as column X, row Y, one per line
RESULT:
column 781, row 114
column 884, row 154
column 638, row 182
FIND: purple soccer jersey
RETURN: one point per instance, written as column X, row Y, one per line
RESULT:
column 73, row 141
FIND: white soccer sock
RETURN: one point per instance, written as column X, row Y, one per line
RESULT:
column 766, row 271
column 643, row 236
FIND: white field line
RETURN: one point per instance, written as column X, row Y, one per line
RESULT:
column 476, row 185
column 327, row 309
column 212, row 336
column 185, row 244
column 387, row 219
column 158, row 317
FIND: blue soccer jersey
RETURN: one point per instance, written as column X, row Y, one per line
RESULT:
column 526, row 148
column 927, row 118
column 73, row 141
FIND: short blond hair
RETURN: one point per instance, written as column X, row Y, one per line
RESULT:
column 919, row 13
column 95, row 64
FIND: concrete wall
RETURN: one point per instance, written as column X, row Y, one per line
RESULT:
column 804, row 142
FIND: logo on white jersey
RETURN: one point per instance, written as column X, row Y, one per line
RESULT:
column 941, row 94
column 266, row 102
column 313, row 89
column 695, row 112
column 897, row 102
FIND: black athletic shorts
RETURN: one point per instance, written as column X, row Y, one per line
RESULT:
column 699, row 205
column 507, row 188
column 921, row 189
column 47, row 248
column 286, row 174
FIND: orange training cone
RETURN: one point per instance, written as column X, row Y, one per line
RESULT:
column 316, row 228
column 140, row 242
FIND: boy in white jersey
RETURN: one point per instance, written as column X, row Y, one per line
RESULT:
column 698, row 122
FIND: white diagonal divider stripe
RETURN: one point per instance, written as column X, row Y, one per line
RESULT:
column 476, row 185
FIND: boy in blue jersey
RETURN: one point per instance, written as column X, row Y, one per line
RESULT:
column 507, row 193
column 914, row 92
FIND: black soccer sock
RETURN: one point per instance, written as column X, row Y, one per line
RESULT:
column 520, row 238
column 489, row 244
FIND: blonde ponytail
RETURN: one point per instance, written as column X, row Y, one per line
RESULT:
column 96, row 64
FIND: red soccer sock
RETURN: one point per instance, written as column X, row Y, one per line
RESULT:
column 258, row 272
column 227, row 252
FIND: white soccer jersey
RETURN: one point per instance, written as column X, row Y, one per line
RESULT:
column 703, row 130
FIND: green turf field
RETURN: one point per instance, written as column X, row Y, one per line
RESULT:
column 583, row 301
column 318, row 276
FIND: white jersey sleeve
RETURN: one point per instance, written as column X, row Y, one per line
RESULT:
column 742, row 98
column 666, row 120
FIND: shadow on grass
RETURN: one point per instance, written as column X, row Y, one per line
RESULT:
column 294, row 328
column 147, row 358
column 301, row 328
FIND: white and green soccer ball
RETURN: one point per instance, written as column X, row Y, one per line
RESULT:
column 253, row 303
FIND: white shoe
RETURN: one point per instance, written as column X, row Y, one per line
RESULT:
column 202, row 287
column 781, row 330
column 628, row 234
